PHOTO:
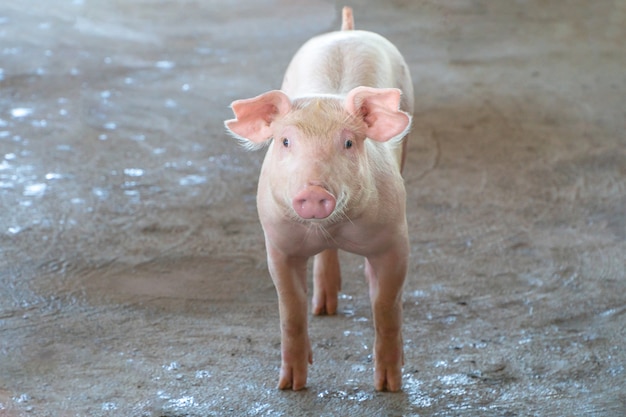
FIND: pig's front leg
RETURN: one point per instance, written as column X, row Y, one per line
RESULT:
column 289, row 276
column 326, row 282
column 385, row 274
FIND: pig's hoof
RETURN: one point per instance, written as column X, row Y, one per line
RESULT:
column 388, row 379
column 296, row 356
column 325, row 304
column 293, row 379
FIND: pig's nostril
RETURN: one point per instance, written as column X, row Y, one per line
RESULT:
column 314, row 202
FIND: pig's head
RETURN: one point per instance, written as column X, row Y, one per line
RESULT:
column 318, row 164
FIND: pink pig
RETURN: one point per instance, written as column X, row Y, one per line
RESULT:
column 331, row 179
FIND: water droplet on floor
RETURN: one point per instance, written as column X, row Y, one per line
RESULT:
column 172, row 366
column 359, row 368
column 456, row 379
column 419, row 294
column 19, row 112
column 165, row 64
column 133, row 172
column 417, row 396
column 23, row 398
column 100, row 192
column 192, row 180
column 109, row 406
column 39, row 123
column 35, row 190
column 182, row 402
column 203, row 374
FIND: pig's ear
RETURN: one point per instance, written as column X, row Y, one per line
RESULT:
column 379, row 108
column 253, row 116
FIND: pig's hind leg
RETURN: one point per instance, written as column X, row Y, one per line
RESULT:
column 326, row 282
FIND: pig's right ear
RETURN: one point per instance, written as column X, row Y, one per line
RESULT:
column 254, row 116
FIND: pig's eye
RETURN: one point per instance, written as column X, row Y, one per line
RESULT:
column 285, row 142
column 348, row 144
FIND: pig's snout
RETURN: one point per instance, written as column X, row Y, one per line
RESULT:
column 314, row 202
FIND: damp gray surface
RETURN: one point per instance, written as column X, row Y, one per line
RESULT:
column 132, row 271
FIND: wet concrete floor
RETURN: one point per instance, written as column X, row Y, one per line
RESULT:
column 132, row 265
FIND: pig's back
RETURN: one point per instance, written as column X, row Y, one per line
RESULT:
column 336, row 62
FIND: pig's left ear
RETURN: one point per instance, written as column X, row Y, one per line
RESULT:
column 379, row 108
column 254, row 116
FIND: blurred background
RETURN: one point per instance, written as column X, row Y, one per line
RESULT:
column 132, row 265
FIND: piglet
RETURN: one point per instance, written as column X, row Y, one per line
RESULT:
column 331, row 179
